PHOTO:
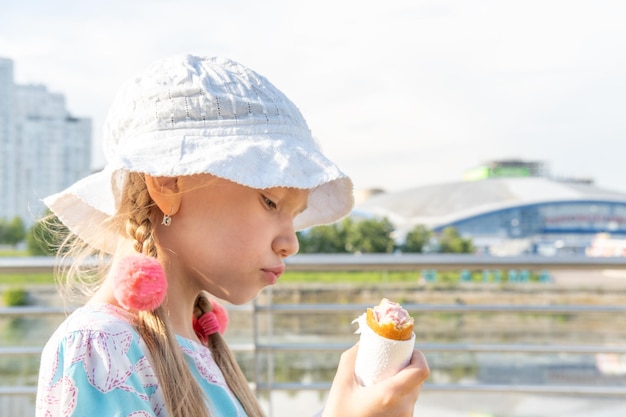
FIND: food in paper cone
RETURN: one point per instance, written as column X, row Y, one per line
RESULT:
column 386, row 343
column 390, row 320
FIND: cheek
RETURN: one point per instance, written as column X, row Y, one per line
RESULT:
column 218, row 225
column 219, row 234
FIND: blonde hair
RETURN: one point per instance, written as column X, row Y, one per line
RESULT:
column 181, row 392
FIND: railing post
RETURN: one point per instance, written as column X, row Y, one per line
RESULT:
column 255, row 344
column 256, row 336
column 270, row 352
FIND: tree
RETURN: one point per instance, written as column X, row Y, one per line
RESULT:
column 416, row 239
column 364, row 236
column 12, row 232
column 323, row 239
column 45, row 236
column 450, row 241
column 371, row 236
column 15, row 231
column 4, row 230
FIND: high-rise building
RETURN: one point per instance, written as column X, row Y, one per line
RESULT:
column 7, row 140
column 43, row 149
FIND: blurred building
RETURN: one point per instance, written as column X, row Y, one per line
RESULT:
column 509, row 210
column 43, row 149
column 7, row 138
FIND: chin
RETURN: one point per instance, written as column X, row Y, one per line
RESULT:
column 240, row 299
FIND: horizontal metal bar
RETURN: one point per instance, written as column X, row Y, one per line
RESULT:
column 45, row 311
column 425, row 347
column 446, row 262
column 608, row 391
column 519, row 348
column 384, row 262
column 567, row 390
column 27, row 265
column 445, row 308
column 12, row 391
column 335, row 308
column 20, row 350
column 293, row 386
column 32, row 311
column 242, row 347
column 453, row 347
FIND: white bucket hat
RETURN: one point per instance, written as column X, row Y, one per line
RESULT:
column 188, row 115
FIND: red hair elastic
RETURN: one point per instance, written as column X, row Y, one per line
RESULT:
column 212, row 321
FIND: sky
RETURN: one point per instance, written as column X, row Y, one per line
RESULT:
column 400, row 94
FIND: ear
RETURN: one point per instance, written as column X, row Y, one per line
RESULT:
column 164, row 192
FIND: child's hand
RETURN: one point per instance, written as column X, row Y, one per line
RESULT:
column 393, row 397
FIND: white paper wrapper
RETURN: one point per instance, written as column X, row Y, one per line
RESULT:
column 378, row 357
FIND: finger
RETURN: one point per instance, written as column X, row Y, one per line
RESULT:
column 419, row 360
column 413, row 376
column 345, row 369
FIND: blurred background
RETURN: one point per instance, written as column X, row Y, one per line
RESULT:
column 473, row 131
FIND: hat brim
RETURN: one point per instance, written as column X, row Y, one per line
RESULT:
column 86, row 206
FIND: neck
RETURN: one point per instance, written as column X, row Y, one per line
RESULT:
column 179, row 305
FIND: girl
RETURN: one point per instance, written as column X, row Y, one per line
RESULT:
column 210, row 172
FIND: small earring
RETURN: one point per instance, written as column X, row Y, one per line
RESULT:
column 167, row 220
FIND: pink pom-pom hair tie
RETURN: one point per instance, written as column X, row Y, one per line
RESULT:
column 140, row 283
column 209, row 317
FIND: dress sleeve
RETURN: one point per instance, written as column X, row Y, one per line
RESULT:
column 97, row 372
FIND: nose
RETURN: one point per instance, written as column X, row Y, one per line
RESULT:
column 286, row 242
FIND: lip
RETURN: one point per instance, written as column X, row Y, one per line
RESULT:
column 274, row 273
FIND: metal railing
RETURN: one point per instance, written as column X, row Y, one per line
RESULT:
column 454, row 262
column 387, row 263
column 592, row 349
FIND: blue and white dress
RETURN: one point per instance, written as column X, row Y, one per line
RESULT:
column 96, row 364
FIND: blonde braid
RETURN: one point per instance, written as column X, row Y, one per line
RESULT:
column 227, row 363
column 182, row 395
column 139, row 225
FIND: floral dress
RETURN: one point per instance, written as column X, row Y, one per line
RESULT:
column 96, row 364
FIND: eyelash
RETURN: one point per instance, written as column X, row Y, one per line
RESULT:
column 269, row 203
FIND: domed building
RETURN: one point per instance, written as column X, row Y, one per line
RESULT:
column 505, row 213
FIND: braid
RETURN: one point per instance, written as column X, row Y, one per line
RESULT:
column 181, row 392
column 139, row 225
column 227, row 362
column 182, row 395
